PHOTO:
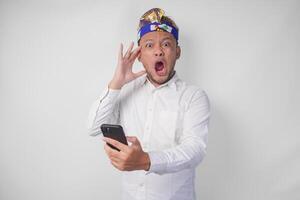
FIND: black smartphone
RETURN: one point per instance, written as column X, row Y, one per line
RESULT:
column 115, row 132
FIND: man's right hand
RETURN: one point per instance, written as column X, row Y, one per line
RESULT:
column 123, row 73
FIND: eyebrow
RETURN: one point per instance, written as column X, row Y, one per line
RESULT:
column 149, row 40
column 165, row 38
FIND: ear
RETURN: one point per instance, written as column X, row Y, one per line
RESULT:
column 178, row 52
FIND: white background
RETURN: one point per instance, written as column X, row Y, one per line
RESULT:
column 56, row 57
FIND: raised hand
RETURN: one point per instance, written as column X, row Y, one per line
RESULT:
column 124, row 73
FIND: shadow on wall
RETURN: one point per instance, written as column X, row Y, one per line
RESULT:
column 222, row 166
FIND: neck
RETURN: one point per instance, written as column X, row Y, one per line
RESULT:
column 158, row 84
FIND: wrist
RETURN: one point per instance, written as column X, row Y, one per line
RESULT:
column 115, row 85
column 146, row 162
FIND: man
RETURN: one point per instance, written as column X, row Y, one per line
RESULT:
column 167, row 119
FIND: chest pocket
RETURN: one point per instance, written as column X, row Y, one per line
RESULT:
column 167, row 121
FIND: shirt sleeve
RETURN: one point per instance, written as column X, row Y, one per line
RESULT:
column 192, row 145
column 104, row 110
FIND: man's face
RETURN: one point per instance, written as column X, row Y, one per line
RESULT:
column 159, row 52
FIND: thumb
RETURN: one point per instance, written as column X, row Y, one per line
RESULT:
column 140, row 73
column 133, row 140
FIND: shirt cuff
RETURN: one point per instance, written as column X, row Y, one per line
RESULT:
column 158, row 163
column 109, row 93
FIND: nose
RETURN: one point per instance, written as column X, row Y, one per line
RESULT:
column 158, row 52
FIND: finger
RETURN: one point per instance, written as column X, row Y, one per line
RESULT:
column 139, row 54
column 133, row 139
column 121, row 51
column 117, row 165
column 135, row 53
column 128, row 52
column 117, row 144
column 138, row 74
column 111, row 152
column 116, row 160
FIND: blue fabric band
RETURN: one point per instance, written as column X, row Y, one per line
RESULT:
column 155, row 26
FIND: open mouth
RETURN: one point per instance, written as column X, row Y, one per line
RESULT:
column 159, row 66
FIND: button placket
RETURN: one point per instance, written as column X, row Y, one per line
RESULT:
column 149, row 119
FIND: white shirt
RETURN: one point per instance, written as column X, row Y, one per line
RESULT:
column 171, row 123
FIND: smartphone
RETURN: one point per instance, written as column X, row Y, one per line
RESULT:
column 115, row 132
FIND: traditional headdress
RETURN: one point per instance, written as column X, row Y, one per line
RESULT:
column 155, row 20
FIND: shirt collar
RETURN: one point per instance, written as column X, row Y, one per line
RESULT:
column 171, row 83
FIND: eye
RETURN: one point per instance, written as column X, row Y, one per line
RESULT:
column 148, row 45
column 166, row 44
